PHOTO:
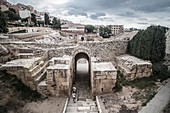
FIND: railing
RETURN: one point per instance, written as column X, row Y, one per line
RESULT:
column 65, row 106
column 98, row 105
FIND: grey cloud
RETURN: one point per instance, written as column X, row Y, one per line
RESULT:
column 107, row 19
column 128, row 14
column 143, row 19
column 93, row 5
column 150, row 6
column 143, row 23
column 76, row 12
column 97, row 15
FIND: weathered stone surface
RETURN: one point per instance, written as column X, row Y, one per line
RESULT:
column 26, row 69
column 133, row 67
column 58, row 76
column 104, row 77
column 34, row 57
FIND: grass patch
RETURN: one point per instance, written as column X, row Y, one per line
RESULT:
column 160, row 71
column 146, row 85
column 141, row 83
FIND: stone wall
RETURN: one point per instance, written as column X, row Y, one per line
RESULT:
column 59, row 76
column 27, row 70
column 105, row 50
column 133, row 67
column 6, row 54
column 104, row 80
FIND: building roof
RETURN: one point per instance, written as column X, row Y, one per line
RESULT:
column 72, row 25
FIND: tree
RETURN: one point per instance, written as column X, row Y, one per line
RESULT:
column 149, row 44
column 13, row 10
column 46, row 18
column 89, row 28
column 105, row 32
column 56, row 23
column 3, row 23
column 33, row 19
column 11, row 16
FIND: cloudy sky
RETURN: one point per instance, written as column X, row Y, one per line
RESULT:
column 130, row 13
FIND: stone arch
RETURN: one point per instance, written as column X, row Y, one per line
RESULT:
column 81, row 49
column 82, row 52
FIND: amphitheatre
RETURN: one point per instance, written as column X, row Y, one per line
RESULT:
column 47, row 61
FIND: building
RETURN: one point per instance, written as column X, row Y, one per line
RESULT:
column 73, row 28
column 22, row 6
column 16, row 8
column 3, row 2
column 4, row 8
column 24, row 13
column 66, row 22
column 30, row 8
column 116, row 29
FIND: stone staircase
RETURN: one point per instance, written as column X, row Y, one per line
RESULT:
column 82, row 106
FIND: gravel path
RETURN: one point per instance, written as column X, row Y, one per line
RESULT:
column 159, row 101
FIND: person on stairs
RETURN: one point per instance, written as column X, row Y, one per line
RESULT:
column 74, row 97
column 74, row 89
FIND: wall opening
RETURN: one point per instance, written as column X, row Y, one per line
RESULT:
column 82, row 75
column 82, row 38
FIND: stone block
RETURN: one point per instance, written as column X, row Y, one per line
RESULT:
column 65, row 83
column 100, row 76
column 130, row 76
column 139, row 75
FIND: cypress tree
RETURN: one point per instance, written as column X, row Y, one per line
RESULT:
column 149, row 44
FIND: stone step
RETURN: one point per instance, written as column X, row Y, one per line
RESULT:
column 82, row 99
column 82, row 108
column 40, row 71
column 89, row 100
column 83, row 112
column 41, row 77
column 77, row 112
column 75, row 104
column 72, row 109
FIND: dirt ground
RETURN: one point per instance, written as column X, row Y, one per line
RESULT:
column 50, row 105
column 121, row 102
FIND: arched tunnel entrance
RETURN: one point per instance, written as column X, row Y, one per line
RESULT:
column 82, row 75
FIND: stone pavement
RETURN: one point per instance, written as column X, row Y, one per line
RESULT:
column 159, row 101
column 83, row 81
column 86, row 106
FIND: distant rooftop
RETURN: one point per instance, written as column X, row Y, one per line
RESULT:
column 73, row 25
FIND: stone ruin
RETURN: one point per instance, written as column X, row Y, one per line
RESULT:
column 49, row 68
column 132, row 67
